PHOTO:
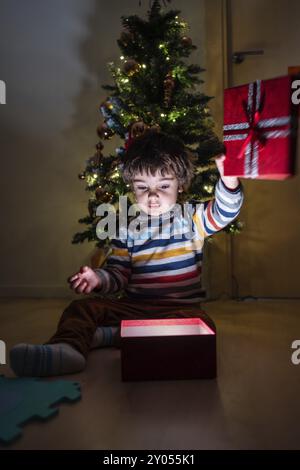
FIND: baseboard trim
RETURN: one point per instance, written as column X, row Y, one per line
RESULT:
column 55, row 291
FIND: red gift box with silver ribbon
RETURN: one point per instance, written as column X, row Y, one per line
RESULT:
column 260, row 129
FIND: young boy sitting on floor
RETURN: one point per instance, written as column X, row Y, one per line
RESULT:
column 160, row 276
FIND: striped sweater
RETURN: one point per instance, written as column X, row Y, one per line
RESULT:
column 163, row 260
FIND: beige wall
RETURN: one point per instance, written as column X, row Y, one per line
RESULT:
column 54, row 64
column 53, row 59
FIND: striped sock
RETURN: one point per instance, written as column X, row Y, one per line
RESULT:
column 105, row 336
column 29, row 360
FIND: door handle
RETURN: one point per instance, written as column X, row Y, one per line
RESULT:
column 239, row 56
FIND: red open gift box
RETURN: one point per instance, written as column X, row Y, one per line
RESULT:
column 260, row 129
column 168, row 349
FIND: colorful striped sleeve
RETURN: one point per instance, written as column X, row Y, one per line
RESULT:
column 117, row 270
column 214, row 215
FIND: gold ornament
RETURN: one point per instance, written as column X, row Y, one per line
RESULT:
column 107, row 105
column 131, row 67
column 81, row 176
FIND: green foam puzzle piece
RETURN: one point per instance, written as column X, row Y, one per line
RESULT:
column 24, row 399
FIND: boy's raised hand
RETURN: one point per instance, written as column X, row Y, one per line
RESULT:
column 84, row 281
column 231, row 182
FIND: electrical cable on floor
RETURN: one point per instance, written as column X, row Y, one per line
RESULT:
column 235, row 286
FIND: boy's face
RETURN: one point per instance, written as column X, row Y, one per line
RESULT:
column 155, row 194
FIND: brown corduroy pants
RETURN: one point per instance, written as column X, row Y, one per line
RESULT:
column 80, row 319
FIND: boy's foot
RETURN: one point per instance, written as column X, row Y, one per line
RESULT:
column 106, row 336
column 46, row 359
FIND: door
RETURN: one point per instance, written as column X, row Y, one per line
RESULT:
column 264, row 260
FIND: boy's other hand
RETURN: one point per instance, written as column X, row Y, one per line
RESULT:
column 231, row 182
column 84, row 281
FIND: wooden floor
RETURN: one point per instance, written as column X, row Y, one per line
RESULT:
column 254, row 403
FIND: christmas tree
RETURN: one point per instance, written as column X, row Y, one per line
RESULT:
column 153, row 87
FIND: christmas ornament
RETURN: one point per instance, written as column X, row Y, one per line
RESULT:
column 131, row 67
column 104, row 132
column 117, row 103
column 120, row 151
column 107, row 197
column 102, row 195
column 106, row 104
column 186, row 41
column 106, row 108
column 111, row 123
column 169, row 84
column 81, row 176
column 95, row 160
column 138, row 128
column 99, row 146
column 126, row 38
column 99, row 193
column 115, row 162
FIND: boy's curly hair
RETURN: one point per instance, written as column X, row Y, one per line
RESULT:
column 156, row 151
